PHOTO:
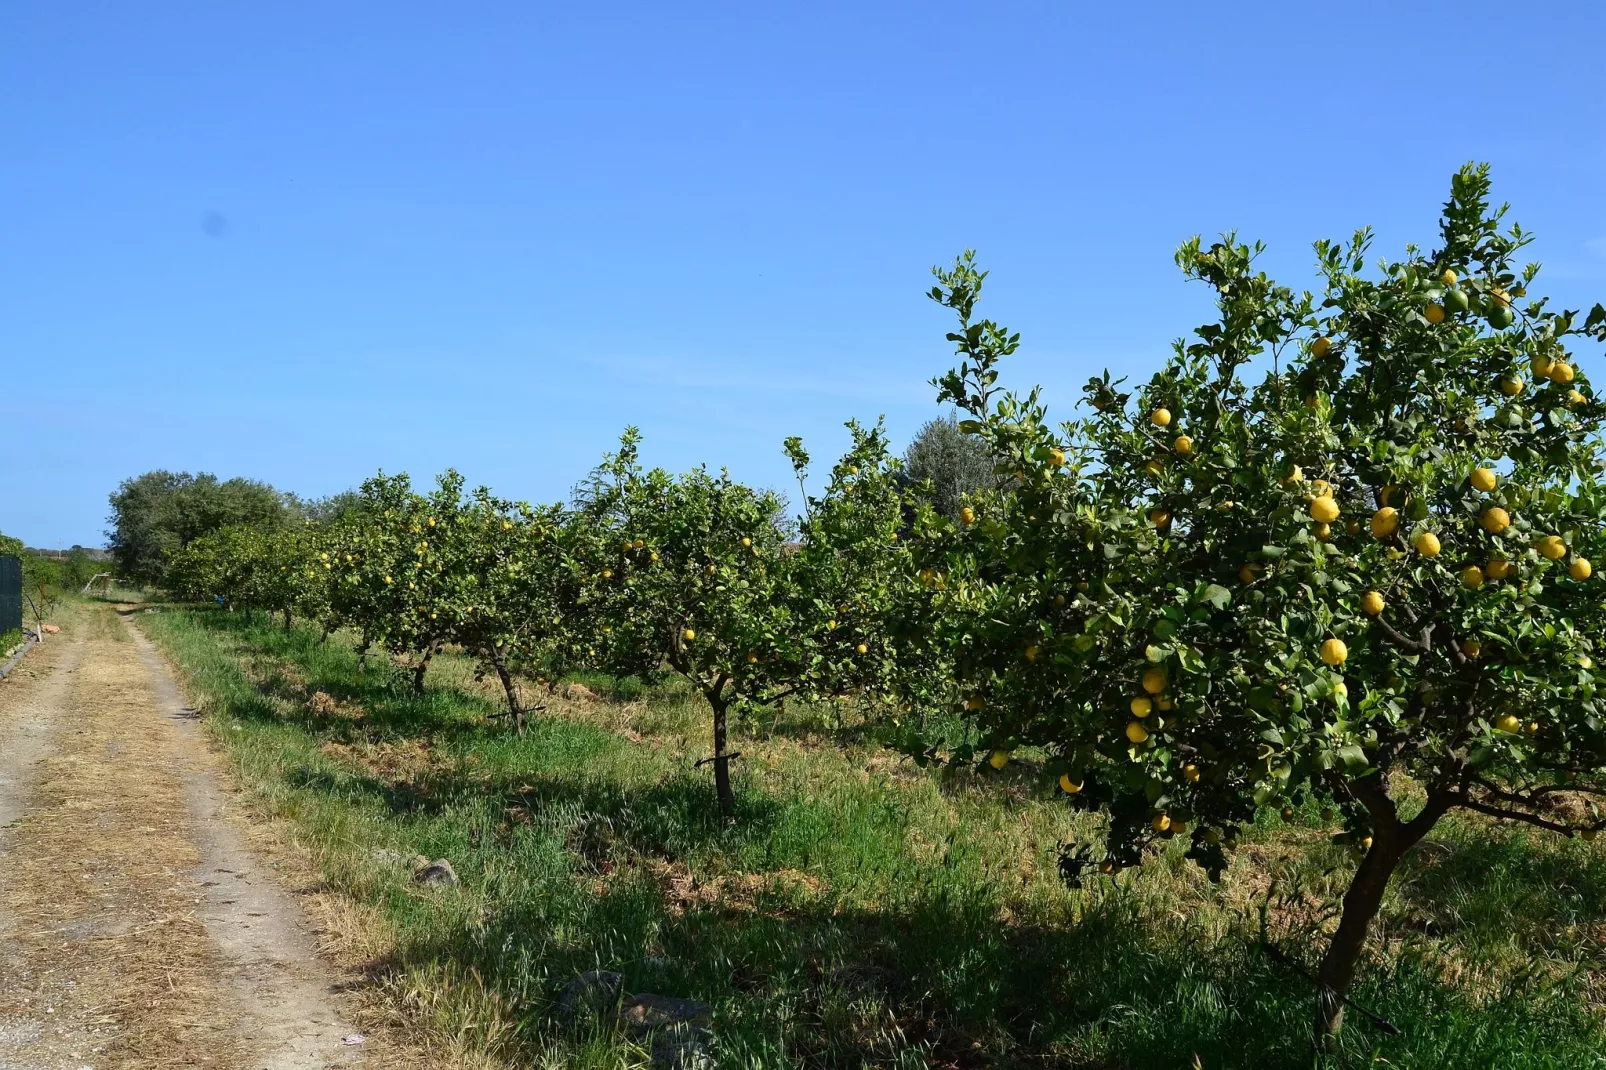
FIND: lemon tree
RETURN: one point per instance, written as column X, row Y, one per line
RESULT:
column 1338, row 548
column 251, row 568
column 700, row 575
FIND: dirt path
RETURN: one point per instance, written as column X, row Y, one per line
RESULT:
column 135, row 927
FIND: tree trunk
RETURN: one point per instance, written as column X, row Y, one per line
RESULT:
column 362, row 653
column 512, row 692
column 421, row 668
column 324, row 637
column 722, row 761
column 287, row 622
column 1361, row 903
column 1392, row 840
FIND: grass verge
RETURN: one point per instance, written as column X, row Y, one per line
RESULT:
column 859, row 913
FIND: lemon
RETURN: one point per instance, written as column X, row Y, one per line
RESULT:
column 1295, row 475
column 1069, row 786
column 1551, row 547
column 1498, row 568
column 1575, row 398
column 1472, row 577
column 1508, row 723
column 1161, row 823
column 1163, row 704
column 1248, row 573
column 1472, row 648
column 1501, row 316
column 1141, row 706
column 1288, row 813
column 1510, row 385
column 1372, row 603
column 1385, row 522
column 607, row 573
column 967, row 515
column 1056, row 457
column 1183, row 445
column 1321, row 347
column 998, row 759
column 1190, row 773
column 1483, row 479
column 1160, row 417
column 861, row 649
column 752, row 659
column 689, row 634
column 1456, row 300
column 1427, row 544
column 1154, row 681
column 1136, row 733
column 1155, row 468
column 973, row 703
column 1334, row 653
column 1540, row 365
column 1159, row 517
column 1580, row 569
column 1031, row 653
column 1495, row 520
column 1323, row 510
column 1323, row 532
column 1561, row 372
column 1449, row 277
column 1434, row 313
column 746, row 542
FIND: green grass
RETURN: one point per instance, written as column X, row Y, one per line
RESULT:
column 859, row 913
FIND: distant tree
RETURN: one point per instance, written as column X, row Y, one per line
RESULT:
column 956, row 463
column 157, row 514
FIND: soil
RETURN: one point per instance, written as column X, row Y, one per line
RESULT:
column 138, row 927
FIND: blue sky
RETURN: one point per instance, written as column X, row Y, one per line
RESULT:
column 304, row 241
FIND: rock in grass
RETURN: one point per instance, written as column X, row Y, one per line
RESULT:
column 593, row 992
column 644, row 1013
column 439, row 871
column 682, row 1046
column 679, row 1029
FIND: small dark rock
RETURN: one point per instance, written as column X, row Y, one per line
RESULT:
column 439, row 871
column 590, row 993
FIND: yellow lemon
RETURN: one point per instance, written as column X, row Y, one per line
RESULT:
column 861, row 649
column 1163, row 704
column 1510, row 385
column 1540, row 365
column 1323, row 532
column 1323, row 510
column 1385, row 522
column 1449, row 277
column 1551, row 547
column 1190, row 773
column 689, row 634
column 1498, row 568
column 1295, row 475
column 1472, row 577
column 752, row 659
column 1069, row 786
column 967, row 515
column 1371, row 603
column 1160, row 417
column 1136, row 733
column 1472, row 648
column 1579, row 569
column 1321, row 347
column 1031, row 653
column 1508, row 723
column 746, row 542
column 1248, row 573
column 998, row 759
column 1483, row 479
column 1495, row 520
column 1334, row 653
column 1141, row 706
column 1155, row 468
column 1434, row 313
column 1427, row 544
column 1161, row 823
column 1341, row 690
column 1561, row 372
column 1154, row 681
column 1575, row 398
column 1159, row 517
column 1056, row 457
column 1183, row 445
